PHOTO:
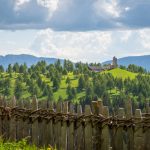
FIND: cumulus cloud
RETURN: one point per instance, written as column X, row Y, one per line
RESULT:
column 90, row 46
column 22, row 14
column 145, row 38
column 76, row 46
column 74, row 15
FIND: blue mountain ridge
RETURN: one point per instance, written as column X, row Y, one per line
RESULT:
column 24, row 58
column 143, row 61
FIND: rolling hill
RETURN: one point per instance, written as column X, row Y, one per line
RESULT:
column 119, row 73
column 143, row 61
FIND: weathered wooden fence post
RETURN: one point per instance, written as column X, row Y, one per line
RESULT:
column 105, row 136
column 79, row 130
column 64, row 128
column 20, row 122
column 35, row 130
column 118, row 140
column 13, row 123
column 42, row 123
column 27, row 127
column 88, row 128
column 97, row 129
column 71, row 132
column 5, row 124
column 57, row 131
column 48, row 137
column 138, row 132
column 147, row 129
column 130, row 133
column 1, row 121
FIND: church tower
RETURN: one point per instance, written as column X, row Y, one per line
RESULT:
column 114, row 63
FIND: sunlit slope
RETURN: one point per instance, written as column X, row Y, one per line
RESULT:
column 120, row 73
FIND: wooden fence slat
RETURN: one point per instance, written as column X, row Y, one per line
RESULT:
column 48, row 134
column 147, row 131
column 35, row 130
column 26, row 124
column 1, row 121
column 71, row 133
column 88, row 129
column 130, row 133
column 97, row 129
column 64, row 128
column 5, row 124
column 118, row 139
column 105, row 136
column 42, row 125
column 138, row 132
column 57, row 131
column 20, row 124
column 100, row 105
column 13, row 123
column 79, row 131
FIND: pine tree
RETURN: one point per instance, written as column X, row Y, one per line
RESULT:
column 19, row 89
column 68, row 81
column 1, row 69
column 81, row 83
column 56, row 84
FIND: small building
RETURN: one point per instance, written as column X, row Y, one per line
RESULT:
column 96, row 68
column 105, row 67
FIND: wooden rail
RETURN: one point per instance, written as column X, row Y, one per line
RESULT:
column 69, row 127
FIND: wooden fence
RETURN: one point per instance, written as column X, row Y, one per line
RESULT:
column 69, row 127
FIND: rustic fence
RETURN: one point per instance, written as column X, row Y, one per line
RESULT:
column 69, row 127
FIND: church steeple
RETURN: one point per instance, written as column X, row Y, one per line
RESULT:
column 114, row 62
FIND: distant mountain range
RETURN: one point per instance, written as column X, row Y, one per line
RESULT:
column 143, row 61
column 23, row 58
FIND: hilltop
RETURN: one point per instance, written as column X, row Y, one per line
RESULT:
column 143, row 61
column 120, row 73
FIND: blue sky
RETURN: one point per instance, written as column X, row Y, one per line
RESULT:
column 86, row 30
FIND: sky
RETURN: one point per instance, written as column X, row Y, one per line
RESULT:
column 79, row 30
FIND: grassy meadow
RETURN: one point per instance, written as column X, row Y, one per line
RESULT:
column 117, row 73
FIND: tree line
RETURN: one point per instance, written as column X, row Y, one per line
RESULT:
column 19, row 80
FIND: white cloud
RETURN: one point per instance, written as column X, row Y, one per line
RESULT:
column 145, row 38
column 110, row 8
column 52, row 5
column 76, row 46
column 125, row 35
column 91, row 46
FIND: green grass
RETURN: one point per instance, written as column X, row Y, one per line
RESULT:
column 120, row 73
column 21, row 145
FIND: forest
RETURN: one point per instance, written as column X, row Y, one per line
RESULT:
column 75, row 82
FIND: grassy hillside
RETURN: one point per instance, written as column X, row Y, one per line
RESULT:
column 119, row 73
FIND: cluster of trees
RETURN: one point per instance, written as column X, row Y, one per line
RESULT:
column 19, row 79
column 134, row 68
column 43, row 80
